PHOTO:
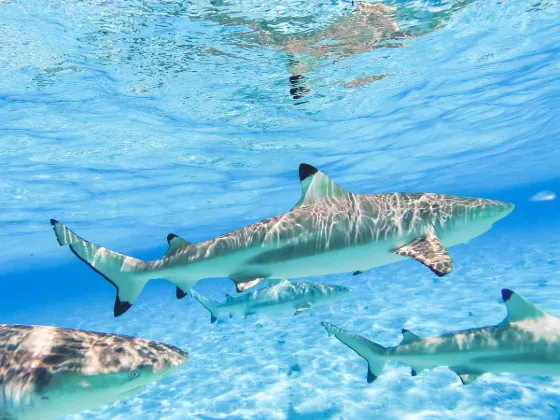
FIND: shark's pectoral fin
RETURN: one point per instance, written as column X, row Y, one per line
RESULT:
column 175, row 244
column 430, row 252
column 518, row 307
column 302, row 308
column 465, row 375
column 244, row 282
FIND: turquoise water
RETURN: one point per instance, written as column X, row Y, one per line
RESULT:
column 127, row 120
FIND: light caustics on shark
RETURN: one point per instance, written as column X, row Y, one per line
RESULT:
column 526, row 342
column 281, row 297
column 330, row 230
column 48, row 372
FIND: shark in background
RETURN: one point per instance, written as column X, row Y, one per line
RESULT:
column 277, row 298
column 527, row 341
column 330, row 230
column 49, row 372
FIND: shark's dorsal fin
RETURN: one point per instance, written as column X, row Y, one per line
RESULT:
column 317, row 187
column 175, row 243
column 409, row 337
column 229, row 298
column 518, row 307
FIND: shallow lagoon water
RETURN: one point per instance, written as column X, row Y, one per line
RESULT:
column 130, row 120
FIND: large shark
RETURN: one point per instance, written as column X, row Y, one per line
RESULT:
column 281, row 297
column 48, row 372
column 330, row 230
column 527, row 341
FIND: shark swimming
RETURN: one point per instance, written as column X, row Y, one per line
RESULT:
column 527, row 341
column 330, row 230
column 281, row 297
column 48, row 372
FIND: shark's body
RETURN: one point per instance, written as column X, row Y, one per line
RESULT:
column 330, row 230
column 48, row 372
column 526, row 342
column 282, row 297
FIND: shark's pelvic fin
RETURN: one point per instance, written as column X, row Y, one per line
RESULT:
column 409, row 337
column 179, row 293
column 430, row 252
column 372, row 352
column 464, row 374
column 316, row 186
column 243, row 282
column 468, row 378
column 209, row 304
column 175, row 244
column 518, row 307
column 415, row 371
column 123, row 272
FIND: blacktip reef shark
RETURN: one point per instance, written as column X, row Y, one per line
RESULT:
column 48, row 372
column 281, row 297
column 330, row 230
column 527, row 341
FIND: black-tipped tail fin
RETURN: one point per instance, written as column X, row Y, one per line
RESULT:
column 124, row 272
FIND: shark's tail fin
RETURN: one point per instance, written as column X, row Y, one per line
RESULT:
column 372, row 352
column 125, row 273
column 209, row 304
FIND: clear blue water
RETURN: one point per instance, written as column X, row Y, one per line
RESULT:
column 128, row 120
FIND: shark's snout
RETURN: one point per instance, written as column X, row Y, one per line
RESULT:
column 507, row 208
column 173, row 357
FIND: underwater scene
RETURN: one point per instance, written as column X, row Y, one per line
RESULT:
column 288, row 209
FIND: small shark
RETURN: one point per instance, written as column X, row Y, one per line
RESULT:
column 527, row 341
column 281, row 297
column 330, row 230
column 48, row 372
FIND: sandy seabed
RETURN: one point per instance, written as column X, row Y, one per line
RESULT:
column 287, row 367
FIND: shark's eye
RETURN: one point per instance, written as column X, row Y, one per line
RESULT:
column 134, row 374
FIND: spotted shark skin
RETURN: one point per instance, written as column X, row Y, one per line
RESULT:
column 330, row 230
column 46, row 372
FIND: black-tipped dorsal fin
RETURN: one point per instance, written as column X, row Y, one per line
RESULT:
column 317, row 187
column 518, row 307
column 175, row 244
column 229, row 298
column 409, row 337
